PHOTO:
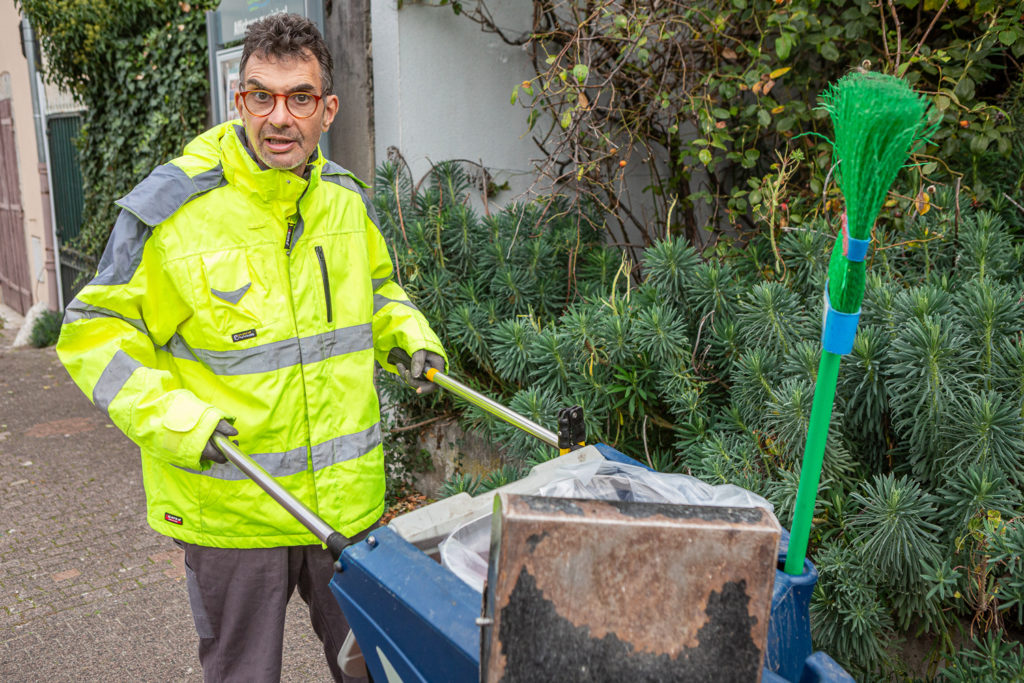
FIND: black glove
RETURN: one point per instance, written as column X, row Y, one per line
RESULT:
column 210, row 450
column 421, row 360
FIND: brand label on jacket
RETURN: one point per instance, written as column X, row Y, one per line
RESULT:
column 173, row 519
column 242, row 336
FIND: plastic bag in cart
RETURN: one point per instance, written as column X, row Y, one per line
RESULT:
column 465, row 552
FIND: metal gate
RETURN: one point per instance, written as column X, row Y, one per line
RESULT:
column 14, row 273
column 68, row 200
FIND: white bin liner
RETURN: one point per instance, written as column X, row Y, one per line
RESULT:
column 466, row 550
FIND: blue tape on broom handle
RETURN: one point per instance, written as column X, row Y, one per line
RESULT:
column 854, row 249
column 838, row 329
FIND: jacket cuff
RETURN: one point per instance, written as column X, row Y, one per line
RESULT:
column 188, row 425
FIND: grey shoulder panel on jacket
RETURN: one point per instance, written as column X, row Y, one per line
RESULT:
column 334, row 173
column 166, row 190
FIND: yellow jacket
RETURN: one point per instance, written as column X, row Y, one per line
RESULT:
column 230, row 291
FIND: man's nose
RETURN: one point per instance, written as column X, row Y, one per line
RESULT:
column 280, row 117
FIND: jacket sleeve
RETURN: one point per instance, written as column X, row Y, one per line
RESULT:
column 109, row 343
column 396, row 320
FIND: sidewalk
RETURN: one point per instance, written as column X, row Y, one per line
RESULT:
column 88, row 592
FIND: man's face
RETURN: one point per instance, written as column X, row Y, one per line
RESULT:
column 280, row 139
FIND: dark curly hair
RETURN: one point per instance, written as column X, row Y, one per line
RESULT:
column 288, row 35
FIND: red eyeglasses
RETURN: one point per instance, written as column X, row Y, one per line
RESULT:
column 301, row 105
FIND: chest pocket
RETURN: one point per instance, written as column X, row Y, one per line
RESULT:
column 234, row 294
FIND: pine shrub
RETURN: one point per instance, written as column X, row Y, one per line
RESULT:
column 46, row 329
column 705, row 364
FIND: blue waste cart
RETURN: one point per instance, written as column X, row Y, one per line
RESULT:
column 415, row 620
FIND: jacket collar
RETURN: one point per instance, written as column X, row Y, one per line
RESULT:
column 243, row 169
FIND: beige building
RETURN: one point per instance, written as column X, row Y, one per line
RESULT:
column 27, row 265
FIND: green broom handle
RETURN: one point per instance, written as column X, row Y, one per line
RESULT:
column 814, row 455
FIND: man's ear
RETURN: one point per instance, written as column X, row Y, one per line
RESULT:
column 330, row 111
column 238, row 104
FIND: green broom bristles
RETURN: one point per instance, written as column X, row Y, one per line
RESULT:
column 878, row 121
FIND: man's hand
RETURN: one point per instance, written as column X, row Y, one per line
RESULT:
column 210, row 450
column 413, row 376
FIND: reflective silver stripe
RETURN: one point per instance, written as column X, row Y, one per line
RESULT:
column 333, row 173
column 378, row 282
column 123, row 253
column 77, row 310
column 166, row 190
column 234, row 296
column 348, row 447
column 113, row 378
column 342, row 178
column 279, row 354
column 276, row 465
column 340, row 449
column 380, row 301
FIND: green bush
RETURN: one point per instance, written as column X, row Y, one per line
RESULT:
column 46, row 329
column 721, row 87
column 705, row 364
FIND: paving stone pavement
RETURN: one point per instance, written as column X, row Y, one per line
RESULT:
column 88, row 592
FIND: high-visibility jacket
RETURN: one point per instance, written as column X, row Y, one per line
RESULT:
column 227, row 291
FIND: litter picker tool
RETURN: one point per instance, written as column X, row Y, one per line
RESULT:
column 570, row 436
column 878, row 121
column 570, row 420
column 334, row 540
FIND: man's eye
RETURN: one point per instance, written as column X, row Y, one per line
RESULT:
column 261, row 96
column 302, row 98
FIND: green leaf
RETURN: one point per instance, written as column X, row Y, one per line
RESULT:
column 941, row 102
column 763, row 117
column 566, row 119
column 515, row 94
column 829, row 51
column 979, row 143
column 1007, row 37
column 580, row 71
column 783, row 46
column 720, row 113
column 965, row 88
column 705, row 157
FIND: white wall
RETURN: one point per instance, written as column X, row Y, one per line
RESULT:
column 442, row 87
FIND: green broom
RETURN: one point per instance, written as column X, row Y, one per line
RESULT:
column 878, row 120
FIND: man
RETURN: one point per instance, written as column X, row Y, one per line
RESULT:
column 246, row 289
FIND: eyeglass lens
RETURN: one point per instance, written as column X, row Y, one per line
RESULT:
column 261, row 103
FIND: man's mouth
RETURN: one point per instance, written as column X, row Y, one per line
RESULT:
column 278, row 144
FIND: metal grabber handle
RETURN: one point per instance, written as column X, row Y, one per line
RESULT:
column 398, row 355
column 334, row 540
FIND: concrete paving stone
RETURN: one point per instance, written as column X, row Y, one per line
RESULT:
column 80, row 506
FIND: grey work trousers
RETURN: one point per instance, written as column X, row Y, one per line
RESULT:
column 238, row 599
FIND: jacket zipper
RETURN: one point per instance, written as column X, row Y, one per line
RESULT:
column 288, row 236
column 327, row 283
